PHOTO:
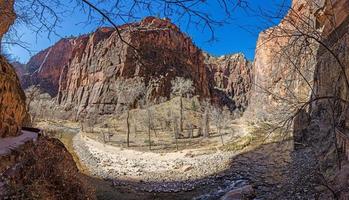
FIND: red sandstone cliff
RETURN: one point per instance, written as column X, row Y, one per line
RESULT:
column 12, row 99
column 90, row 82
column 284, row 64
column 232, row 74
column 85, row 73
column 331, row 80
column 44, row 69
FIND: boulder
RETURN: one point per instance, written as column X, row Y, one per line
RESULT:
column 244, row 192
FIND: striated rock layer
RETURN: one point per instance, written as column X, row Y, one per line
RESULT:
column 103, row 62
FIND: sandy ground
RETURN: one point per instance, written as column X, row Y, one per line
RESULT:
column 112, row 162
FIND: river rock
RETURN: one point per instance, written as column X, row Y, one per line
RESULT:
column 239, row 193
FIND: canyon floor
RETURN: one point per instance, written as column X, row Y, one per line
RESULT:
column 273, row 168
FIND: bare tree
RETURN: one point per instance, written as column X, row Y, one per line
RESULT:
column 32, row 94
column 149, row 123
column 205, row 121
column 175, row 128
column 220, row 117
column 128, row 96
column 180, row 87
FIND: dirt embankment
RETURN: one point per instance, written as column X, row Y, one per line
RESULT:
column 43, row 170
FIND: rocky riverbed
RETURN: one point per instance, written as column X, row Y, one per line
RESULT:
column 112, row 162
column 274, row 170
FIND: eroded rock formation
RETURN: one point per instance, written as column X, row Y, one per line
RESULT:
column 44, row 69
column 12, row 98
column 232, row 74
column 12, row 101
column 91, row 81
column 331, row 93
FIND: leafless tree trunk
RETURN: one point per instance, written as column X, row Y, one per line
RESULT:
column 149, row 127
column 181, row 114
column 128, row 127
column 205, row 123
column 175, row 131
column 221, row 135
column 191, row 131
column 135, row 126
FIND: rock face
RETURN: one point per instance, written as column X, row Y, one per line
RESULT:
column 44, row 69
column 92, row 74
column 232, row 74
column 332, row 68
column 12, row 98
column 20, row 69
column 8, row 16
column 12, row 101
column 103, row 62
column 283, row 69
column 331, row 80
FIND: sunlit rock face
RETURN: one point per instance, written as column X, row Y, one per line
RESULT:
column 85, row 73
column 12, row 99
column 232, row 74
column 284, row 64
column 8, row 15
column 44, row 69
column 91, row 81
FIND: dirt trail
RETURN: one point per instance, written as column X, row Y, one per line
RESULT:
column 7, row 145
column 12, row 143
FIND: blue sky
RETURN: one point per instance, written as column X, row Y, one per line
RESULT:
column 239, row 35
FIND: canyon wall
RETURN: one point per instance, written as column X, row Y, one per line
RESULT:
column 284, row 64
column 332, row 67
column 44, row 69
column 232, row 74
column 329, row 108
column 12, row 101
column 95, row 73
column 12, row 98
column 104, row 66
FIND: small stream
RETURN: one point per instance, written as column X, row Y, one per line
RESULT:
column 222, row 190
